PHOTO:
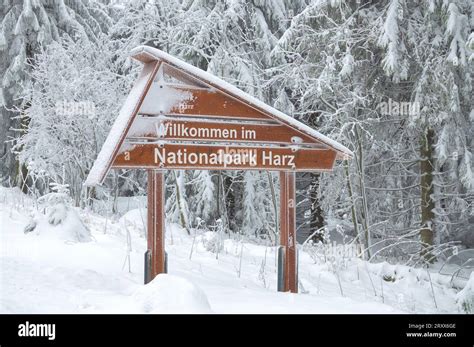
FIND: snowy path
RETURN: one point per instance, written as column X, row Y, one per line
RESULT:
column 44, row 274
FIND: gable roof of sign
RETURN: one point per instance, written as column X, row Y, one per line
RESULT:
column 148, row 55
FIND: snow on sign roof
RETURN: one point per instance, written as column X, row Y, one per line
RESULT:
column 152, row 57
column 147, row 54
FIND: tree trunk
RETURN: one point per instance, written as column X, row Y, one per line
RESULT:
column 275, row 207
column 317, row 218
column 427, row 203
column 179, row 197
column 364, row 210
column 353, row 206
column 23, row 178
column 229, row 202
column 218, row 196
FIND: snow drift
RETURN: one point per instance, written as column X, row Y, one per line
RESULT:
column 172, row 294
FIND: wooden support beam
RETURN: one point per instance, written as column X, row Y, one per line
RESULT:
column 288, row 230
column 156, row 221
column 150, row 225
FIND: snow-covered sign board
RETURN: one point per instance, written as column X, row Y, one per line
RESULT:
column 206, row 157
column 180, row 117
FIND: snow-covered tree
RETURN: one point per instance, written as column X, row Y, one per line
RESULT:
column 70, row 105
column 348, row 61
column 177, row 207
column 203, row 197
column 27, row 26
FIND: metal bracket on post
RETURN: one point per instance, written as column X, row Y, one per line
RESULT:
column 281, row 269
column 147, row 266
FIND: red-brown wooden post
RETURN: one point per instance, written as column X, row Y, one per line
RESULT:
column 288, row 230
column 150, row 226
column 156, row 221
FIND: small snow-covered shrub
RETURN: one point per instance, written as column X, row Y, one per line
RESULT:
column 211, row 242
column 57, row 214
column 336, row 255
column 60, row 222
column 135, row 221
column 387, row 271
column 465, row 298
column 58, row 219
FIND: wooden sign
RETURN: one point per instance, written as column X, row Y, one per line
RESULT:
column 167, row 128
column 204, row 157
column 174, row 102
column 179, row 117
column 195, row 101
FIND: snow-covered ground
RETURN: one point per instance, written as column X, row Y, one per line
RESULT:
column 49, row 272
